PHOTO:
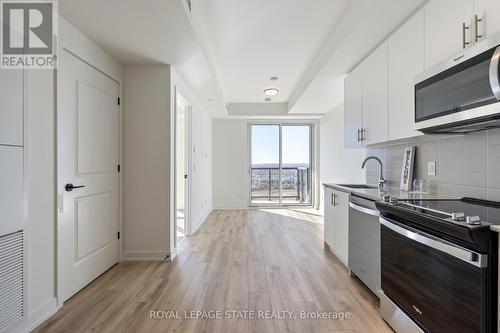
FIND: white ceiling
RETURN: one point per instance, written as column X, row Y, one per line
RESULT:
column 363, row 27
column 148, row 32
column 228, row 50
column 251, row 41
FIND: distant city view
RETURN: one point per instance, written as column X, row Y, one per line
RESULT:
column 295, row 168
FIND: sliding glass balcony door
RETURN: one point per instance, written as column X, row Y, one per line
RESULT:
column 280, row 164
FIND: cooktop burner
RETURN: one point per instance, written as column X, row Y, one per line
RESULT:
column 466, row 211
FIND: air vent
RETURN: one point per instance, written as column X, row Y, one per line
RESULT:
column 188, row 2
column 11, row 279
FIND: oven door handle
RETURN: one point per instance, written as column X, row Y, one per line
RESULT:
column 365, row 210
column 494, row 76
column 470, row 257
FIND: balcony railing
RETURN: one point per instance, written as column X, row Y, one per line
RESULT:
column 295, row 184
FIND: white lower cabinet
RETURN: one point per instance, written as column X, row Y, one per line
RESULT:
column 11, row 189
column 337, row 223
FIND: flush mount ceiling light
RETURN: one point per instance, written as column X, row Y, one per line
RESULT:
column 271, row 91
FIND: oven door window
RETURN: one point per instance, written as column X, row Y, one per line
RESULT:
column 442, row 293
column 463, row 87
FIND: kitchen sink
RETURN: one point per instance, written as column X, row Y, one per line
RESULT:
column 362, row 186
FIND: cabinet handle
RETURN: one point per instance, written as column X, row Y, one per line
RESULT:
column 363, row 138
column 476, row 27
column 334, row 199
column 464, row 35
column 359, row 131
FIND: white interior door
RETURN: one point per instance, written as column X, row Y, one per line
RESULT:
column 182, row 167
column 88, row 127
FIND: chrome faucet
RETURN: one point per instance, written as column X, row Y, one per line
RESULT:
column 381, row 180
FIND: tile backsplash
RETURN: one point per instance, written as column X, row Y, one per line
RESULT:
column 466, row 165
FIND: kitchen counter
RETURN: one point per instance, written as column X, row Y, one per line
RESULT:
column 376, row 194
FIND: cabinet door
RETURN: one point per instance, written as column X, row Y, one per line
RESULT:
column 329, row 218
column 489, row 12
column 375, row 96
column 406, row 60
column 11, row 189
column 443, row 29
column 341, row 214
column 353, row 108
column 11, row 110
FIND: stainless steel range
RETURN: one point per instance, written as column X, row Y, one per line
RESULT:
column 439, row 265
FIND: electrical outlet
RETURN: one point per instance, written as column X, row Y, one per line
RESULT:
column 431, row 168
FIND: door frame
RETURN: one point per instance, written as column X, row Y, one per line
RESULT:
column 312, row 158
column 187, row 165
column 116, row 77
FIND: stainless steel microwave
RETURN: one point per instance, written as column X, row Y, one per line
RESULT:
column 461, row 95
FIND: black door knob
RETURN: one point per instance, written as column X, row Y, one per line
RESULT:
column 70, row 187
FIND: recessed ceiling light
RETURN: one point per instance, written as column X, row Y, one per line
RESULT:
column 271, row 91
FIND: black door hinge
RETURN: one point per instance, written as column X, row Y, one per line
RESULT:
column 118, row 100
column 118, row 235
column 119, row 168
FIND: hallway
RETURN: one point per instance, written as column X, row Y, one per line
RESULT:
column 239, row 263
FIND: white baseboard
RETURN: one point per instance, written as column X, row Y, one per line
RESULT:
column 36, row 317
column 202, row 220
column 146, row 255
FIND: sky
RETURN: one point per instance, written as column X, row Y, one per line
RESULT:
column 265, row 144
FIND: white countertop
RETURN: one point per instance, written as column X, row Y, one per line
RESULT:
column 376, row 194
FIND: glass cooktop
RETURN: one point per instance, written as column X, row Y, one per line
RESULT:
column 465, row 211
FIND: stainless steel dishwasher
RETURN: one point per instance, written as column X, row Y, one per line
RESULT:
column 364, row 242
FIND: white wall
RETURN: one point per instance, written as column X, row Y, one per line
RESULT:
column 229, row 163
column 337, row 164
column 230, row 160
column 201, row 154
column 146, row 162
column 41, row 175
column 41, row 210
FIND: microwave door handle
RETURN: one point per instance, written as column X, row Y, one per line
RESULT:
column 470, row 257
column 494, row 73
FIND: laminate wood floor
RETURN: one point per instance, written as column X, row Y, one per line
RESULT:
column 252, row 270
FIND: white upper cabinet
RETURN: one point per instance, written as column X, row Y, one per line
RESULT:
column 444, row 33
column 11, row 107
column 375, row 96
column 353, row 108
column 488, row 11
column 406, row 60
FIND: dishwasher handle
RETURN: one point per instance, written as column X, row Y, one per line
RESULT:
column 365, row 210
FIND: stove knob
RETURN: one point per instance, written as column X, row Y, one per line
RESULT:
column 458, row 216
column 473, row 220
column 394, row 200
column 387, row 198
